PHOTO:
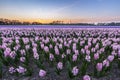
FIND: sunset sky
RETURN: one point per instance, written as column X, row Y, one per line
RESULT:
column 46, row 11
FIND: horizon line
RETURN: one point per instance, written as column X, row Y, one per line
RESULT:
column 45, row 21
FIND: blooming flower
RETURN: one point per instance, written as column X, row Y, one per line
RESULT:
column 81, row 43
column 60, row 46
column 22, row 59
column 27, row 47
column 68, row 51
column 36, row 38
column 46, row 49
column 106, row 63
column 7, row 52
column 63, row 55
column 89, row 44
column 21, row 70
column 88, row 58
column 93, row 50
column 25, row 40
column 60, row 65
column 86, row 77
column 16, row 47
column 74, row 57
column 99, row 66
column 51, row 57
column 96, row 56
column 34, row 50
column 97, row 46
column 4, row 45
column 102, row 49
column 47, row 40
column 83, row 51
column 42, row 45
column 94, row 41
column 114, row 47
column 17, row 41
column 86, row 47
column 12, row 70
column 57, row 51
column 22, row 52
column 36, row 55
column 50, row 46
column 110, row 58
column 76, row 52
column 88, row 52
column 118, row 53
column 12, row 54
column 114, row 53
column 74, row 46
column 75, row 70
column 42, row 73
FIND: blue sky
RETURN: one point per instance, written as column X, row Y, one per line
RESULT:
column 74, row 10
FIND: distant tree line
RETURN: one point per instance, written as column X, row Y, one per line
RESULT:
column 57, row 22
column 109, row 24
column 16, row 22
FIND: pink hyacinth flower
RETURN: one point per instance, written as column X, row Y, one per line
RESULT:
column 60, row 65
column 42, row 73
column 99, row 66
column 86, row 77
column 75, row 70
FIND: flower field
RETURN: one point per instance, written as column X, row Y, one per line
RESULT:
column 60, row 54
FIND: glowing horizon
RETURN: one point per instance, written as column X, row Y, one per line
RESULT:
column 46, row 11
